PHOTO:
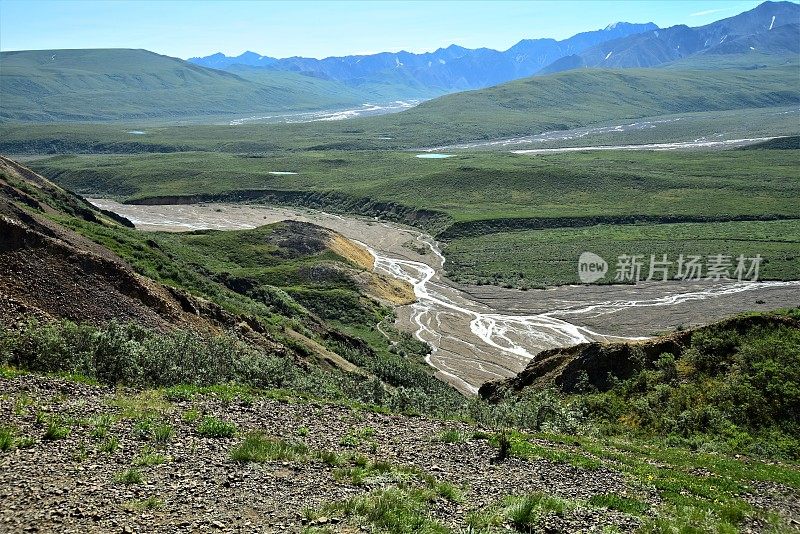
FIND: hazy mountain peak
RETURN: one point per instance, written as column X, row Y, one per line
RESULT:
column 748, row 31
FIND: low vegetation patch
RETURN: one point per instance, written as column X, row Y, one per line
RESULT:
column 148, row 504
column 163, row 433
column 55, row 429
column 523, row 446
column 258, row 447
column 130, row 476
column 452, row 436
column 361, row 470
column 148, row 457
column 109, row 445
column 404, row 509
column 393, row 510
column 524, row 513
column 101, row 426
column 621, row 503
column 731, row 390
column 211, row 427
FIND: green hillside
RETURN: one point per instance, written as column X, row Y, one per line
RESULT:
column 119, row 84
column 336, row 92
column 578, row 98
column 755, row 60
column 136, row 85
column 386, row 87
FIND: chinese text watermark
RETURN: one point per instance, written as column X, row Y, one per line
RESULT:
column 643, row 268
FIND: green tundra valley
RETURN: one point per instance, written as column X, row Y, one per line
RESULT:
column 372, row 280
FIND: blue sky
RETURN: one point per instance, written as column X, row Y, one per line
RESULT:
column 320, row 29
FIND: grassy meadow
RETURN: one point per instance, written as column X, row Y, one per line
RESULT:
column 470, row 186
column 507, row 219
column 522, row 107
column 537, row 258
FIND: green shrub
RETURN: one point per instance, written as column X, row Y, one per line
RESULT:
column 258, row 447
column 731, row 390
column 7, row 436
column 130, row 476
column 132, row 355
column 212, row 427
column 55, row 429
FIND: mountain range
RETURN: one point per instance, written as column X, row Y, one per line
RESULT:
column 123, row 84
column 454, row 68
column 772, row 27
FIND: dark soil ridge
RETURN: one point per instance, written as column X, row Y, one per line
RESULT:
column 495, row 226
column 434, row 222
column 566, row 368
column 428, row 220
column 50, row 278
column 789, row 142
column 61, row 147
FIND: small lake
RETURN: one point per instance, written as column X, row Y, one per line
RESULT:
column 136, row 132
column 434, row 156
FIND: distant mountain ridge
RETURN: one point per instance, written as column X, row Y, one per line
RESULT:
column 124, row 84
column 771, row 27
column 445, row 70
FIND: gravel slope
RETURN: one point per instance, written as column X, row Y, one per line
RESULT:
column 69, row 485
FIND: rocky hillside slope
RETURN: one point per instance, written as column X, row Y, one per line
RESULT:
column 92, row 459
